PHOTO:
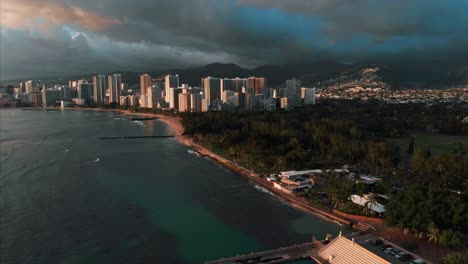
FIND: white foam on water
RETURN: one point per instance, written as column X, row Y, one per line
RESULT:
column 262, row 189
column 193, row 152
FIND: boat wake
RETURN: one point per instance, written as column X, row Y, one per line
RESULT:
column 94, row 161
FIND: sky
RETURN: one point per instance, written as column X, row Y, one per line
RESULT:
column 67, row 37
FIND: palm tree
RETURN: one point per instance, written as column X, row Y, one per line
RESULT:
column 366, row 210
column 433, row 233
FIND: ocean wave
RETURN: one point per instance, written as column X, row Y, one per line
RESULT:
column 136, row 122
column 262, row 189
column 193, row 152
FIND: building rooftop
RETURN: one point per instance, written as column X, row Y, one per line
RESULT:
column 341, row 250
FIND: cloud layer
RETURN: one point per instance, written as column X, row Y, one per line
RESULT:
column 61, row 37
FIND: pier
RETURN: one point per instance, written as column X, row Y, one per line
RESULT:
column 281, row 255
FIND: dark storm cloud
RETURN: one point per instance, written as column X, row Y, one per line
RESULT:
column 56, row 37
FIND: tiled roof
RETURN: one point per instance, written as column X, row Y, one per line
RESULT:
column 341, row 250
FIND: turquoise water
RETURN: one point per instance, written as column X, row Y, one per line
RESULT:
column 67, row 196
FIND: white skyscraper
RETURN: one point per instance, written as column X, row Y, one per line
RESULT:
column 100, row 85
column 170, row 82
column 114, row 83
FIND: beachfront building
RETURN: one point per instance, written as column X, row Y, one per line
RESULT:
column 342, row 250
column 115, row 84
column 100, row 85
column 212, row 88
column 170, row 81
column 367, row 201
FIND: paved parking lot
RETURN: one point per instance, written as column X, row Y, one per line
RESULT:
column 365, row 242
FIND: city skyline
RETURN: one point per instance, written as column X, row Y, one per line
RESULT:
column 57, row 37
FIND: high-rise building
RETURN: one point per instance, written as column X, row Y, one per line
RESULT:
column 145, row 83
column 174, row 97
column 50, row 97
column 235, row 84
column 259, row 84
column 154, row 95
column 65, row 93
column 100, row 85
column 85, row 91
column 212, row 89
column 28, row 86
column 308, row 95
column 196, row 102
column 114, row 84
column 184, row 102
column 293, row 92
column 170, row 81
column 22, row 87
column 284, row 103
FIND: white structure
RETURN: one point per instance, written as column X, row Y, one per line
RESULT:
column 184, row 102
column 28, row 86
column 288, row 174
column 363, row 201
column 170, row 82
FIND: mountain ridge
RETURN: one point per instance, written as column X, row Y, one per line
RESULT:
column 310, row 74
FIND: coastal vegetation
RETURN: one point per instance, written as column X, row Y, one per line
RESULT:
column 426, row 190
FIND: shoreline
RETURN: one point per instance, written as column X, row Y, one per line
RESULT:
column 175, row 124
column 391, row 234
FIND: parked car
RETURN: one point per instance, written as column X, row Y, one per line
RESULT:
column 404, row 257
column 376, row 242
column 418, row 261
column 388, row 250
column 383, row 247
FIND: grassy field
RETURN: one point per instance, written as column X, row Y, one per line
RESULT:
column 439, row 144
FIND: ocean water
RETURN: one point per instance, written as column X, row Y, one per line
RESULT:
column 67, row 196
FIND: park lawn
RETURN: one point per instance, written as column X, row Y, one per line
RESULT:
column 437, row 143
